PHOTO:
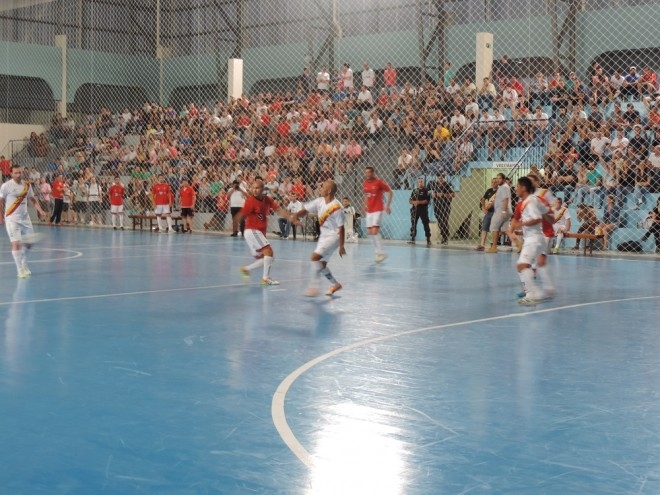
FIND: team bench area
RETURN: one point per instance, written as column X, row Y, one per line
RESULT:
column 140, row 221
column 588, row 239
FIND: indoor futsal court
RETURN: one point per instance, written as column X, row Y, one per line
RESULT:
column 141, row 363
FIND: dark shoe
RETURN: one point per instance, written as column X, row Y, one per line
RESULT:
column 122, row 228
column 410, row 242
column 428, row 242
column 235, row 234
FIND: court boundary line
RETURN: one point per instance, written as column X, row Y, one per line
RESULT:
column 77, row 254
column 278, row 413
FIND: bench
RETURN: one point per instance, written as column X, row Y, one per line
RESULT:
column 139, row 220
column 586, row 237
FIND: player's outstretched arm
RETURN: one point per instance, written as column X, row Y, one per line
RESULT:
column 295, row 217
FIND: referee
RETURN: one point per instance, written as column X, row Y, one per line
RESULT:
column 419, row 210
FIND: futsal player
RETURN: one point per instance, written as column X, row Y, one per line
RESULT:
column 14, row 197
column 255, row 211
column 374, row 190
column 187, row 198
column 162, row 199
column 534, row 244
column 331, row 220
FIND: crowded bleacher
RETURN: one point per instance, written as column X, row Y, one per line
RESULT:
column 597, row 136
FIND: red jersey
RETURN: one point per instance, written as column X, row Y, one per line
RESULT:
column 58, row 189
column 256, row 212
column 299, row 190
column 116, row 193
column 373, row 191
column 187, row 195
column 5, row 166
column 162, row 194
column 222, row 202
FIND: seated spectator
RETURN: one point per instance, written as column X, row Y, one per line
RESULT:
column 616, row 84
column 626, row 176
column 629, row 89
column 639, row 142
column 486, row 94
column 538, row 91
column 642, row 184
column 587, row 216
column 565, row 179
column 647, row 84
column 611, row 220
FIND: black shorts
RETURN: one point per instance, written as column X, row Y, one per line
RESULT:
column 65, row 207
column 187, row 212
column 80, row 207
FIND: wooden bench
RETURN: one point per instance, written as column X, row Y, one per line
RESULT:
column 139, row 221
column 586, row 237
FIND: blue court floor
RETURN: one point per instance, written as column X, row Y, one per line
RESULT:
column 139, row 363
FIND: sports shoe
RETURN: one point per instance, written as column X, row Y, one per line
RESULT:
column 245, row 273
column 311, row 292
column 521, row 294
column 555, row 250
column 23, row 274
column 121, row 228
column 527, row 301
column 332, row 289
column 491, row 250
column 428, row 242
column 269, row 281
column 480, row 248
column 410, row 242
column 380, row 257
column 26, row 269
column 114, row 228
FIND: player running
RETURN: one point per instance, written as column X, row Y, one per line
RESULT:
column 374, row 189
column 16, row 193
column 331, row 219
column 255, row 211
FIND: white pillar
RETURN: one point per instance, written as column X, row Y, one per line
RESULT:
column 234, row 78
column 61, row 43
column 484, row 57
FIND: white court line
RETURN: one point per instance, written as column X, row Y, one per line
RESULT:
column 140, row 292
column 277, row 406
column 77, row 254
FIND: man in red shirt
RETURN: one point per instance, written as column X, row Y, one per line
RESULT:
column 374, row 189
column 5, row 167
column 187, row 199
column 162, row 198
column 58, row 195
column 256, row 210
column 116, row 195
column 389, row 76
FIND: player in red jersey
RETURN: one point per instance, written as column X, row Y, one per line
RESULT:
column 374, row 190
column 256, row 209
column 187, row 197
column 162, row 199
column 116, row 195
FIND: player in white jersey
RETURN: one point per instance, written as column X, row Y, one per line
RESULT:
column 331, row 219
column 562, row 223
column 14, row 197
column 533, row 212
column 349, row 220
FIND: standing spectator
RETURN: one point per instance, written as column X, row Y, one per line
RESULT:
column 94, row 193
column 502, row 213
column 219, row 218
column 68, row 200
column 323, row 80
column 347, row 78
column 79, row 190
column 116, row 195
column 305, row 82
column 419, row 210
column 237, row 196
column 5, row 167
column 488, row 207
column 389, row 78
column 45, row 194
column 443, row 194
column 58, row 197
column 368, row 77
column 449, row 75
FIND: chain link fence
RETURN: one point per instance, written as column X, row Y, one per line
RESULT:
column 566, row 89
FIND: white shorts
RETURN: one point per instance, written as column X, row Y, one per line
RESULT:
column 19, row 230
column 373, row 219
column 559, row 228
column 326, row 246
column 500, row 222
column 531, row 250
column 116, row 209
column 162, row 210
column 256, row 241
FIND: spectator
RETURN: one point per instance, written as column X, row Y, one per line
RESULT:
column 443, row 194
column 629, row 88
column 487, row 94
column 642, row 184
column 389, row 78
column 488, row 208
column 503, row 211
column 5, row 168
column 611, row 220
column 323, row 80
column 419, row 209
column 368, row 77
column 562, row 223
column 647, row 84
column 654, row 227
column 587, row 216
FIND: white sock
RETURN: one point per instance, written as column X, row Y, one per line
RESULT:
column 160, row 226
column 544, row 274
column 268, row 262
column 560, row 237
column 113, row 216
column 254, row 265
column 317, row 266
column 24, row 251
column 121, row 219
column 527, row 278
column 17, row 259
column 328, row 274
column 378, row 242
column 169, row 222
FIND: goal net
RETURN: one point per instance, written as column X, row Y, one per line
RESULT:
column 449, row 93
